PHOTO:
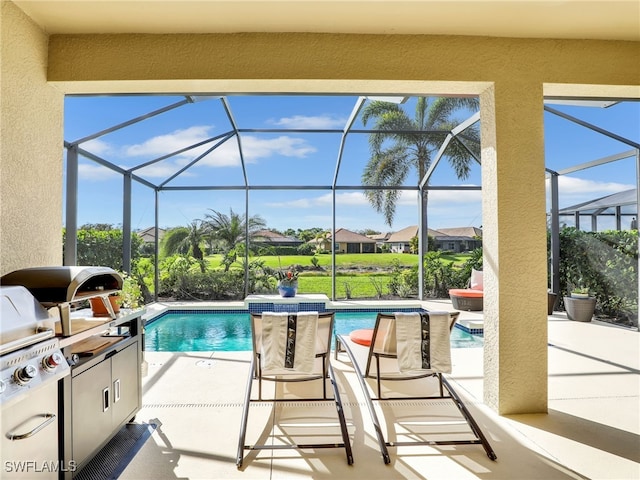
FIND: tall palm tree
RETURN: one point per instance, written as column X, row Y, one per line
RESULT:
column 401, row 143
column 231, row 230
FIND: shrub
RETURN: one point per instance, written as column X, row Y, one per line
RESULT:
column 440, row 276
column 306, row 249
column 607, row 264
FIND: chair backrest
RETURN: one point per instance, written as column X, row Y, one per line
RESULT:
column 323, row 333
column 406, row 344
column 384, row 341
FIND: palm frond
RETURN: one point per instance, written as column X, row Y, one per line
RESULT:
column 398, row 144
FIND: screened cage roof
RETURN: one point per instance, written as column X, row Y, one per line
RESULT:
column 606, row 205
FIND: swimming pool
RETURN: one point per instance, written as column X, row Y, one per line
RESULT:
column 201, row 332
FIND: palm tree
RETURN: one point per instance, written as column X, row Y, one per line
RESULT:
column 185, row 240
column 231, row 230
column 401, row 144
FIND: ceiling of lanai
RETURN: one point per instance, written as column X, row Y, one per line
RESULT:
column 568, row 19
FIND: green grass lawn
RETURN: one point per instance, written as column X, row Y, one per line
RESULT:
column 343, row 260
column 360, row 285
column 369, row 282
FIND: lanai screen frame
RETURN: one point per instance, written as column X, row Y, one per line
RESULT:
column 554, row 176
column 74, row 151
column 129, row 175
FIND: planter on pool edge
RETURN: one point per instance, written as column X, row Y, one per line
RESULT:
column 288, row 291
column 580, row 309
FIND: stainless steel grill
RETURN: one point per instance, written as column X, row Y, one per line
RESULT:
column 62, row 369
column 31, row 364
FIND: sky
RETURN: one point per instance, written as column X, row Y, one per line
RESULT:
column 300, row 159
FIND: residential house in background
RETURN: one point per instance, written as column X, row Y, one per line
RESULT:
column 148, row 235
column 457, row 240
column 400, row 241
column 345, row 241
column 275, row 239
column 380, row 239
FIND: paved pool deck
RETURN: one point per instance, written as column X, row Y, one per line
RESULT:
column 591, row 430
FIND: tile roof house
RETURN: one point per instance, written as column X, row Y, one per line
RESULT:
column 400, row 241
column 148, row 235
column 380, row 238
column 456, row 240
column 275, row 239
column 347, row 241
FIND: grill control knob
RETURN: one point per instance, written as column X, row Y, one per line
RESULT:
column 50, row 362
column 24, row 375
column 3, row 386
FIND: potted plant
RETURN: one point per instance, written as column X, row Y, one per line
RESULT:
column 579, row 305
column 287, row 282
column 580, row 292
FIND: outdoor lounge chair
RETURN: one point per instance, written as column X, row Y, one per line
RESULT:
column 472, row 298
column 292, row 347
column 412, row 347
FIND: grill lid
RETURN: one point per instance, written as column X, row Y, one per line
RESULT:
column 65, row 284
column 23, row 321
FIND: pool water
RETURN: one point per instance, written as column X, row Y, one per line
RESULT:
column 200, row 332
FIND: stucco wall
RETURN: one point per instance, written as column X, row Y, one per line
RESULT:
column 31, row 138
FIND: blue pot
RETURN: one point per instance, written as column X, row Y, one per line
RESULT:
column 287, row 291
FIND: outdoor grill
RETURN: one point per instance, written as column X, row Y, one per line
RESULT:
column 63, row 368
column 31, row 365
column 60, row 288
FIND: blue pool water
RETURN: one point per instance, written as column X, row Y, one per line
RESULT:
column 200, row 332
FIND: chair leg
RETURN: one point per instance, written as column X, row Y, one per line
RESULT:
column 343, row 422
column 470, row 420
column 325, row 375
column 382, row 445
column 245, row 417
column 378, row 376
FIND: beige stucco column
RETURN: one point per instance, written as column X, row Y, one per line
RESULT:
column 513, row 189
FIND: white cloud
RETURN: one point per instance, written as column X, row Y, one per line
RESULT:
column 575, row 185
column 95, row 172
column 302, row 122
column 163, row 144
column 225, row 155
column 342, row 199
column 255, row 148
column 574, row 190
column 161, row 170
column 98, row 147
column 455, row 197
